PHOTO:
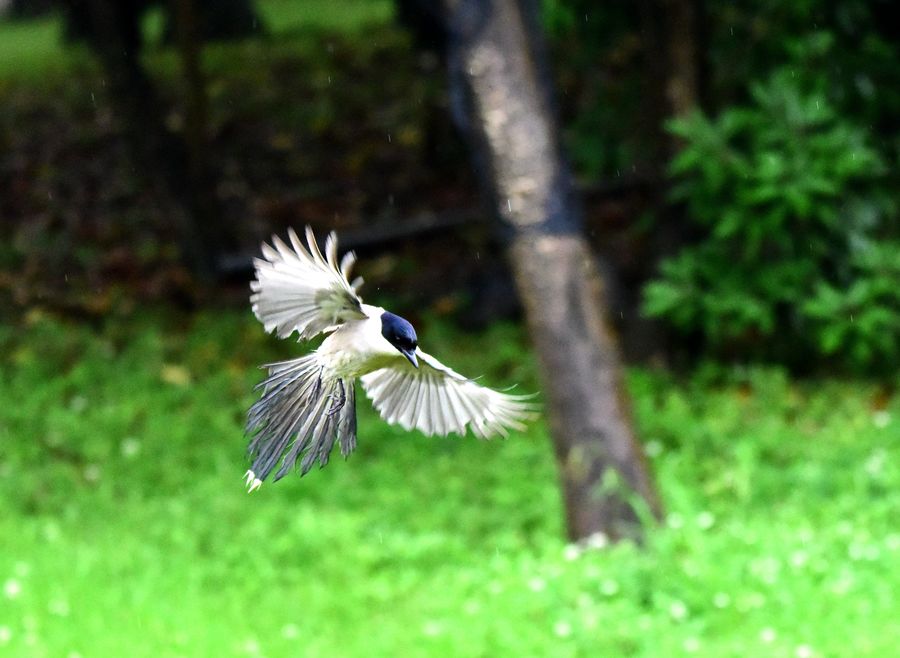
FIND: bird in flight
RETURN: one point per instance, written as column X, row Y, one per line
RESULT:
column 309, row 403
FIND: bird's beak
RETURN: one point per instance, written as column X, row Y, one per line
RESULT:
column 411, row 356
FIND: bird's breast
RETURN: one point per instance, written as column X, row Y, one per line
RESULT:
column 357, row 348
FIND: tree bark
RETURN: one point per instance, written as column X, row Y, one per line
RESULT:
column 682, row 42
column 202, row 199
column 498, row 68
column 112, row 30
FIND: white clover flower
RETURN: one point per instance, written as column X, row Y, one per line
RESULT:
column 892, row 541
column 596, row 541
column 678, row 610
column 562, row 629
column 609, row 587
column 675, row 521
column 571, row 552
column 653, row 448
column 804, row 651
column 92, row 472
column 881, row 419
column 130, row 447
column 537, row 584
column 767, row 635
column 722, row 600
column 799, row 558
column 432, row 628
column 12, row 588
column 705, row 520
column 874, row 465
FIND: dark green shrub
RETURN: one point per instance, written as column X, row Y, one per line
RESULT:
column 798, row 254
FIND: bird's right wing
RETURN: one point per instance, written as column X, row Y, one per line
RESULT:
column 436, row 400
column 297, row 289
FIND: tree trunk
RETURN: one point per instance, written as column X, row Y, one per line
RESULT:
column 681, row 28
column 112, row 30
column 497, row 66
column 202, row 199
column 672, row 34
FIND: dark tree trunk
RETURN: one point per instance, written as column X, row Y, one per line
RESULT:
column 218, row 20
column 202, row 199
column 112, row 30
column 673, row 34
column 681, row 29
column 498, row 67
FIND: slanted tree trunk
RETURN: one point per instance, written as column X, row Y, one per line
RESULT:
column 498, row 66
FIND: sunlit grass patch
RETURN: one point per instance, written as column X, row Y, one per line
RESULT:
column 345, row 15
column 34, row 47
column 29, row 48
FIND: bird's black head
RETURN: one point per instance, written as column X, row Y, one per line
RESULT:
column 400, row 333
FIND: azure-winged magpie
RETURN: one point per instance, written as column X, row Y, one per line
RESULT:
column 309, row 403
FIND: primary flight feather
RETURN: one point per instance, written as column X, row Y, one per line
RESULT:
column 308, row 404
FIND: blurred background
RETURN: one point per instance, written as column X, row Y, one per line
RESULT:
column 735, row 165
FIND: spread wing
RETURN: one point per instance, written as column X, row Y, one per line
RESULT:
column 297, row 289
column 436, row 400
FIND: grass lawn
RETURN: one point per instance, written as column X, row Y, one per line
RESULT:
column 30, row 49
column 125, row 529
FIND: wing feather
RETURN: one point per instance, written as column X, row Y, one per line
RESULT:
column 298, row 289
column 436, row 400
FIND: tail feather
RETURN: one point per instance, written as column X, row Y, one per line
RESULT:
column 301, row 413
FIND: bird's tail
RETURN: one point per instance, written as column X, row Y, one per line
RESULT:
column 301, row 413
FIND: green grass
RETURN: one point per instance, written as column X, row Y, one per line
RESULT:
column 30, row 49
column 345, row 15
column 125, row 529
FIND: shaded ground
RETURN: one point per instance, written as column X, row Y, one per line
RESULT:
column 303, row 130
column 343, row 128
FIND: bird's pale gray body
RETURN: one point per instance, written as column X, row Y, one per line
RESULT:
column 357, row 347
column 308, row 403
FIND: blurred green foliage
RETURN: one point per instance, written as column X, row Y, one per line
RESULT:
column 125, row 529
column 788, row 181
column 798, row 247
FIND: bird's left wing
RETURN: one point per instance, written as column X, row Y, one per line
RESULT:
column 299, row 289
column 436, row 400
